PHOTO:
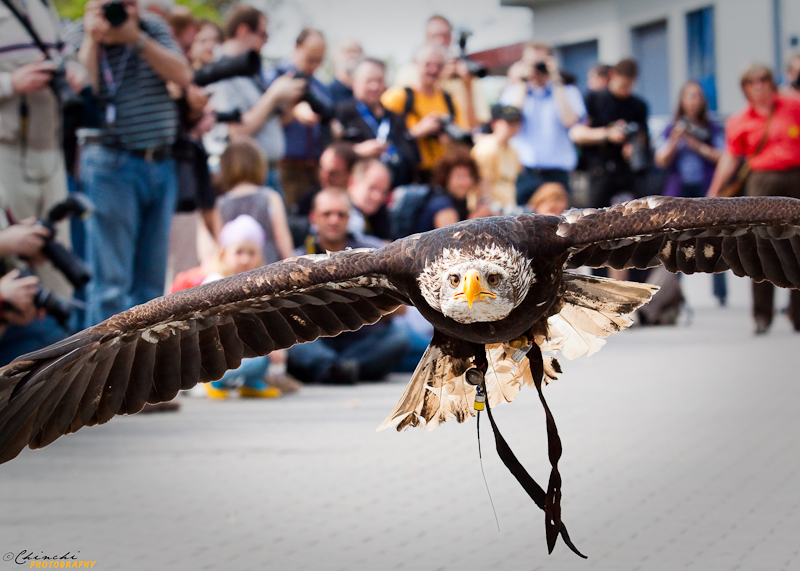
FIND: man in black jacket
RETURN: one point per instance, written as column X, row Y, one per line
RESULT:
column 376, row 132
column 614, row 139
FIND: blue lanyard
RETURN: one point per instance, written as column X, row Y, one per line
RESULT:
column 111, row 83
column 370, row 120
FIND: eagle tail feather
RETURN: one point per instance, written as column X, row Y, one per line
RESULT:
column 436, row 394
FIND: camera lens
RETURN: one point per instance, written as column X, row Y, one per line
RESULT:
column 115, row 13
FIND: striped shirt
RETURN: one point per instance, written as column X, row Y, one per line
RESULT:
column 146, row 116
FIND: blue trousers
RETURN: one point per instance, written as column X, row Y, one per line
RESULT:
column 127, row 237
column 377, row 353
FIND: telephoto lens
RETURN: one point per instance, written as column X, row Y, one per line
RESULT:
column 115, row 13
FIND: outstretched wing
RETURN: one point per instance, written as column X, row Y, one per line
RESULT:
column 152, row 351
column 757, row 237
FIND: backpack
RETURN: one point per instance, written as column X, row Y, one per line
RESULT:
column 409, row 106
column 405, row 207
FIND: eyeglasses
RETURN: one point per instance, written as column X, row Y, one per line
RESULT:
column 337, row 213
column 759, row 79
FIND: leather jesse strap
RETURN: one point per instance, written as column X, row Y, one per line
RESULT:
column 550, row 501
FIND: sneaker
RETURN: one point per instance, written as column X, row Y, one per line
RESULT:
column 257, row 392
column 215, row 392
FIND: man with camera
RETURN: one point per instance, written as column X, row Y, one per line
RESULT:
column 432, row 117
column 260, row 108
column 457, row 76
column 549, row 109
column 31, row 156
column 20, row 291
column 374, row 131
column 126, row 167
column 615, row 138
column 308, row 129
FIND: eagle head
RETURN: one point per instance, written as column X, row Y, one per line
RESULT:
column 478, row 285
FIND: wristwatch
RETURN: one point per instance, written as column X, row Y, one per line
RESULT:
column 138, row 45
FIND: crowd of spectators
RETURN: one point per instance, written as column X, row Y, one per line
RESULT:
column 183, row 128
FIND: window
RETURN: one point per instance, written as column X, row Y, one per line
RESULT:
column 702, row 61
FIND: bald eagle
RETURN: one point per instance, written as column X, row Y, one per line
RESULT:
column 495, row 289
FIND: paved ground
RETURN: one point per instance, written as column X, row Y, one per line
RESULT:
column 681, row 452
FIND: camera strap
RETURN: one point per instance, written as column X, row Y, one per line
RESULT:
column 23, row 19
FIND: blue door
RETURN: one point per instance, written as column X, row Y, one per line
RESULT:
column 578, row 59
column 650, row 51
column 702, row 59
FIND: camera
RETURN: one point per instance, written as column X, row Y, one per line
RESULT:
column 631, row 129
column 62, row 88
column 248, row 63
column 697, row 131
column 66, row 261
column 476, row 69
column 636, row 137
column 232, row 116
column 115, row 13
column 449, row 128
column 318, row 106
column 541, row 67
column 56, row 306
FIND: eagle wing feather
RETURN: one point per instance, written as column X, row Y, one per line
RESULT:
column 152, row 351
column 758, row 237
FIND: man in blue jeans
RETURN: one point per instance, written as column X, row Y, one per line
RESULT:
column 126, row 166
column 367, row 354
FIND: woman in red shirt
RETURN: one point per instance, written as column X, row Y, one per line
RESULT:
column 775, row 163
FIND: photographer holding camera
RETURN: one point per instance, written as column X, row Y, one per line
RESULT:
column 432, row 117
column 549, row 108
column 17, row 292
column 126, row 167
column 33, row 88
column 260, row 106
column 615, row 138
column 308, row 130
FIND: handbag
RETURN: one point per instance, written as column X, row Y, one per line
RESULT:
column 735, row 186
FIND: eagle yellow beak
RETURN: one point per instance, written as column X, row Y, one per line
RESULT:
column 472, row 289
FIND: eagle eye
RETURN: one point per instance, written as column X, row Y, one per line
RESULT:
column 454, row 279
column 493, row 279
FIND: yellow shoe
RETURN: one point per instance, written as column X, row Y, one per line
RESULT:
column 265, row 393
column 215, row 393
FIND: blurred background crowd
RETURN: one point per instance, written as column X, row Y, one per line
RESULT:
column 145, row 150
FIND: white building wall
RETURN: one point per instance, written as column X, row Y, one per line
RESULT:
column 790, row 27
column 744, row 31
